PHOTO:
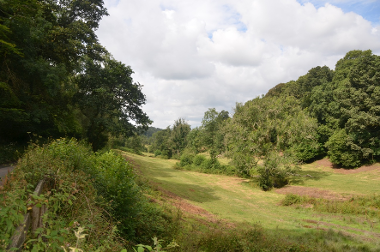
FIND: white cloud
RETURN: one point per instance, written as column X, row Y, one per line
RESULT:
column 191, row 55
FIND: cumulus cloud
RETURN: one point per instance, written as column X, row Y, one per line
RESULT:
column 192, row 55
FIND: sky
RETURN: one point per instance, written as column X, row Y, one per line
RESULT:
column 192, row 55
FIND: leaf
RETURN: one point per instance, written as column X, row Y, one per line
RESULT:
column 140, row 249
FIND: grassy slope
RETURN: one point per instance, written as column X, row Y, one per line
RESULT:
column 237, row 200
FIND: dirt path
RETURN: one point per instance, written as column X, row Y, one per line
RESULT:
column 4, row 169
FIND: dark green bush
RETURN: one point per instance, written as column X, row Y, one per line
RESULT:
column 340, row 151
column 198, row 160
column 157, row 153
column 186, row 159
column 276, row 171
column 207, row 164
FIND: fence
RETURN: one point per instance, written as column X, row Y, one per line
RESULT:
column 32, row 220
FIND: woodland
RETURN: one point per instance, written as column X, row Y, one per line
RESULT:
column 69, row 113
column 333, row 113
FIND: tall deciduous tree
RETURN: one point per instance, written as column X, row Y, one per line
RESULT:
column 213, row 137
column 352, row 103
column 55, row 77
column 109, row 100
column 178, row 137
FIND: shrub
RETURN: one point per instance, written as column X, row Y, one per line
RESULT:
column 68, row 166
column 186, row 159
column 198, row 160
column 291, row 199
column 109, row 176
column 340, row 152
column 275, row 171
column 207, row 164
column 157, row 153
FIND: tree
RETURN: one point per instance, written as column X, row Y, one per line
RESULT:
column 213, row 137
column 178, row 136
column 42, row 42
column 57, row 80
column 109, row 100
column 161, row 142
column 270, row 125
column 351, row 103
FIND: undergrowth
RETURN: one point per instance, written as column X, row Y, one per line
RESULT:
column 95, row 192
column 357, row 205
column 200, row 163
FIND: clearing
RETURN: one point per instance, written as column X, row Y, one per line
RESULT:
column 238, row 200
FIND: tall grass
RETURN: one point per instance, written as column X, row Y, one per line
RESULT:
column 357, row 205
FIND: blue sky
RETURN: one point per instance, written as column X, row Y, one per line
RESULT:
column 369, row 9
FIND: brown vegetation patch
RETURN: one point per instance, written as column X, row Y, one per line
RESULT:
column 186, row 207
column 190, row 209
column 365, row 168
column 311, row 192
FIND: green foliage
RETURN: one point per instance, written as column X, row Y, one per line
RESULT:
column 199, row 159
column 291, row 199
column 64, row 83
column 157, row 246
column 70, row 197
column 13, row 208
column 368, row 206
column 350, row 103
column 179, row 132
column 106, row 89
column 340, row 152
column 213, row 135
column 276, row 171
column 88, row 187
column 114, row 181
column 186, row 159
column 157, row 153
column 161, row 142
column 268, row 124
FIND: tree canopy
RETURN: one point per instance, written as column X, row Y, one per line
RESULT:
column 55, row 77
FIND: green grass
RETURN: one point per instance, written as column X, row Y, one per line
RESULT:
column 238, row 200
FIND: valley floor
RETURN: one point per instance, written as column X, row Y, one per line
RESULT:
column 236, row 200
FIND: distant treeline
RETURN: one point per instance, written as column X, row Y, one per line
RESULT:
column 334, row 113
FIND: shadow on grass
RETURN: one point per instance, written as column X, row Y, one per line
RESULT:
column 190, row 192
column 308, row 175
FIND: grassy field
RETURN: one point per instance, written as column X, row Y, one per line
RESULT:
column 238, row 200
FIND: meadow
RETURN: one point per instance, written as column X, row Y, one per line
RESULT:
column 338, row 201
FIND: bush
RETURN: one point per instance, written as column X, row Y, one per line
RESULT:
column 186, row 159
column 68, row 166
column 157, row 153
column 10, row 152
column 340, row 152
column 275, row 171
column 291, row 199
column 110, row 175
column 198, row 160
column 207, row 164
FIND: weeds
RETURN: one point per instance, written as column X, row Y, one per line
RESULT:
column 357, row 205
